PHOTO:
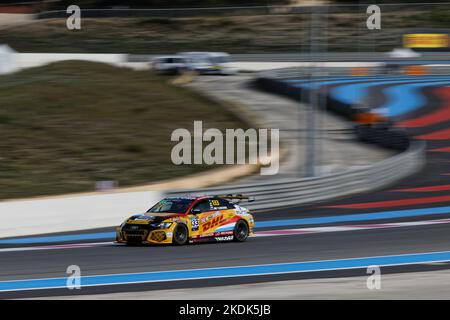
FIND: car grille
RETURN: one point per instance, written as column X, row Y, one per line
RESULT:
column 134, row 235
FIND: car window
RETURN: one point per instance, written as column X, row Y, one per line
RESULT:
column 219, row 59
column 171, row 206
column 226, row 203
column 220, row 204
column 203, row 206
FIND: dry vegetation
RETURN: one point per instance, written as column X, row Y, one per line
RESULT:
column 245, row 34
column 67, row 125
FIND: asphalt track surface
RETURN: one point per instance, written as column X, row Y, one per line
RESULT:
column 367, row 225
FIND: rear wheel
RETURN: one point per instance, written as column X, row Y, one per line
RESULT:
column 241, row 231
column 180, row 235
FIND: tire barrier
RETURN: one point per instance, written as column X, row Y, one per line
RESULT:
column 382, row 134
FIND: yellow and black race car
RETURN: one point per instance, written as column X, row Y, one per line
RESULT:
column 189, row 220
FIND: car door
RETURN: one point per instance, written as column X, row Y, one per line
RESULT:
column 195, row 216
column 204, row 216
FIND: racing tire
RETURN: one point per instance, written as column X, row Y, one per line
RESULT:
column 240, row 231
column 180, row 235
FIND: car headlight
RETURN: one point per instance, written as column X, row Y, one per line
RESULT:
column 162, row 225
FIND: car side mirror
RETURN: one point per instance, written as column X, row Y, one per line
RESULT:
column 196, row 211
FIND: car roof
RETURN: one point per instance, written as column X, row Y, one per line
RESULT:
column 168, row 57
column 199, row 53
column 193, row 197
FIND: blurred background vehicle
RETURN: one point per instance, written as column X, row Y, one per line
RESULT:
column 199, row 62
column 169, row 64
column 209, row 62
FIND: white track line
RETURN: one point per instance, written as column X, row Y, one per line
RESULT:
column 259, row 234
column 56, row 247
column 287, row 232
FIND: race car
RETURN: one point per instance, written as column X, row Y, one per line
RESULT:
column 189, row 219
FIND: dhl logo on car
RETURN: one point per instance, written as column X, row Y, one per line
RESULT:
column 213, row 223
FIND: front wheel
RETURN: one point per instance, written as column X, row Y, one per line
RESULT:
column 241, row 231
column 180, row 235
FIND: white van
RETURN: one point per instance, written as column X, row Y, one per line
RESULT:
column 169, row 64
column 209, row 62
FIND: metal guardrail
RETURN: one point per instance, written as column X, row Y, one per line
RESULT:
column 276, row 193
column 289, row 192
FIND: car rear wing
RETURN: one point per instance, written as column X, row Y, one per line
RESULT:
column 238, row 197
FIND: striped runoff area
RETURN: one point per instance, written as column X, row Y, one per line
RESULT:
column 403, row 93
column 227, row 272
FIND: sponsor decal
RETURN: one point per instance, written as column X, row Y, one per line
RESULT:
column 138, row 221
column 194, row 223
column 211, row 216
column 206, row 235
column 223, row 233
column 426, row 40
column 241, row 211
column 213, row 223
column 197, row 240
column 219, row 208
column 227, row 238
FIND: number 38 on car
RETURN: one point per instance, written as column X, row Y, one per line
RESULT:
column 184, row 220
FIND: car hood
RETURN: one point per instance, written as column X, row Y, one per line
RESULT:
column 150, row 217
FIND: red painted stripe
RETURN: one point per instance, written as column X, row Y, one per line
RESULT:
column 426, row 189
column 445, row 149
column 283, row 232
column 345, row 228
column 440, row 115
column 373, row 226
column 391, row 203
column 436, row 135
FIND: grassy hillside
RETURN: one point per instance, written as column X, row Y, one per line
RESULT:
column 67, row 125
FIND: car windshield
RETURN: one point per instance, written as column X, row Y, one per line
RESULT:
column 219, row 59
column 171, row 205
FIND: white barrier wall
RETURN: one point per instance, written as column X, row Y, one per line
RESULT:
column 28, row 60
column 8, row 61
column 263, row 66
column 59, row 214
